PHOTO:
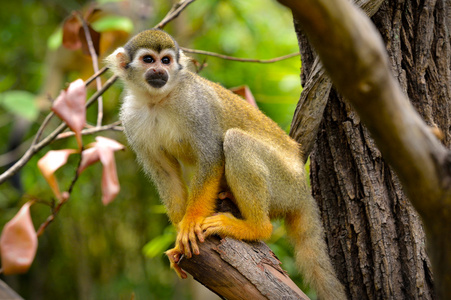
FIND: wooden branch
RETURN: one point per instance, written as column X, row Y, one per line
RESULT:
column 95, row 66
column 175, row 11
column 310, row 108
column 8, row 293
column 251, row 60
column 35, row 148
column 354, row 56
column 240, row 270
column 237, row 270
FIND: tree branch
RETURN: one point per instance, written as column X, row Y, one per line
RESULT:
column 37, row 147
column 262, row 61
column 238, row 270
column 354, row 56
column 310, row 108
column 95, row 65
column 175, row 11
column 8, row 293
column 113, row 126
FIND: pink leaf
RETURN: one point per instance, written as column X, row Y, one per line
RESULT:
column 103, row 150
column 70, row 107
column 18, row 242
column 114, row 145
column 245, row 92
column 88, row 157
column 110, row 182
column 51, row 162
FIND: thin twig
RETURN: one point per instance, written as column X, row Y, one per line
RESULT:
column 36, row 148
column 113, row 126
column 93, row 77
column 95, row 65
column 41, row 128
column 108, row 83
column 13, row 155
column 57, row 208
column 175, row 11
column 262, row 61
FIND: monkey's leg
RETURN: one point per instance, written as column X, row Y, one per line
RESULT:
column 248, row 177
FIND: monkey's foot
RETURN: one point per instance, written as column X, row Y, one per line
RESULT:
column 225, row 224
column 189, row 230
column 219, row 224
column 174, row 257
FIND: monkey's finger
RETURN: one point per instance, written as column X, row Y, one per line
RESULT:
column 179, row 244
column 199, row 232
column 195, row 248
column 185, row 246
column 193, row 237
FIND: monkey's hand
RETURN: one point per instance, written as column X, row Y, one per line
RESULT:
column 189, row 230
column 174, row 257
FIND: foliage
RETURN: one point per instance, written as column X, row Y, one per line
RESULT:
column 96, row 252
column 241, row 29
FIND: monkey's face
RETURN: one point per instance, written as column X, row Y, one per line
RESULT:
column 151, row 71
column 155, row 70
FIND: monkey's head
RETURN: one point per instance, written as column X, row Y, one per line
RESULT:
column 150, row 61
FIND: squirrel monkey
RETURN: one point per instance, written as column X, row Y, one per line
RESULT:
column 181, row 124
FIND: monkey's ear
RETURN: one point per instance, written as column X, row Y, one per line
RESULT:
column 187, row 62
column 118, row 61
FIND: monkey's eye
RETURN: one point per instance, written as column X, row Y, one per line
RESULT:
column 166, row 60
column 148, row 59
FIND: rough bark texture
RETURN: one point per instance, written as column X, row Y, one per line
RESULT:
column 374, row 235
column 237, row 270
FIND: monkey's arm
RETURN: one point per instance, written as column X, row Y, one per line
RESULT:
column 167, row 174
column 200, row 204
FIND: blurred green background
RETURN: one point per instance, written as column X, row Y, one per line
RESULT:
column 116, row 252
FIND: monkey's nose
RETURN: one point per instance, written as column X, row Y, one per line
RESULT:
column 156, row 78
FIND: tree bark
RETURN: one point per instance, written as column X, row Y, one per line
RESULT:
column 375, row 237
column 238, row 270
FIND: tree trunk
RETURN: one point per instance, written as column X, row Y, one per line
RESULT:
column 375, row 237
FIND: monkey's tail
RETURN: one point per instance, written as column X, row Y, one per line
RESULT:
column 305, row 230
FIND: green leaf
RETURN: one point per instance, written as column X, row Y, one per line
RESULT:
column 56, row 39
column 21, row 103
column 7, row 81
column 113, row 23
column 161, row 243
